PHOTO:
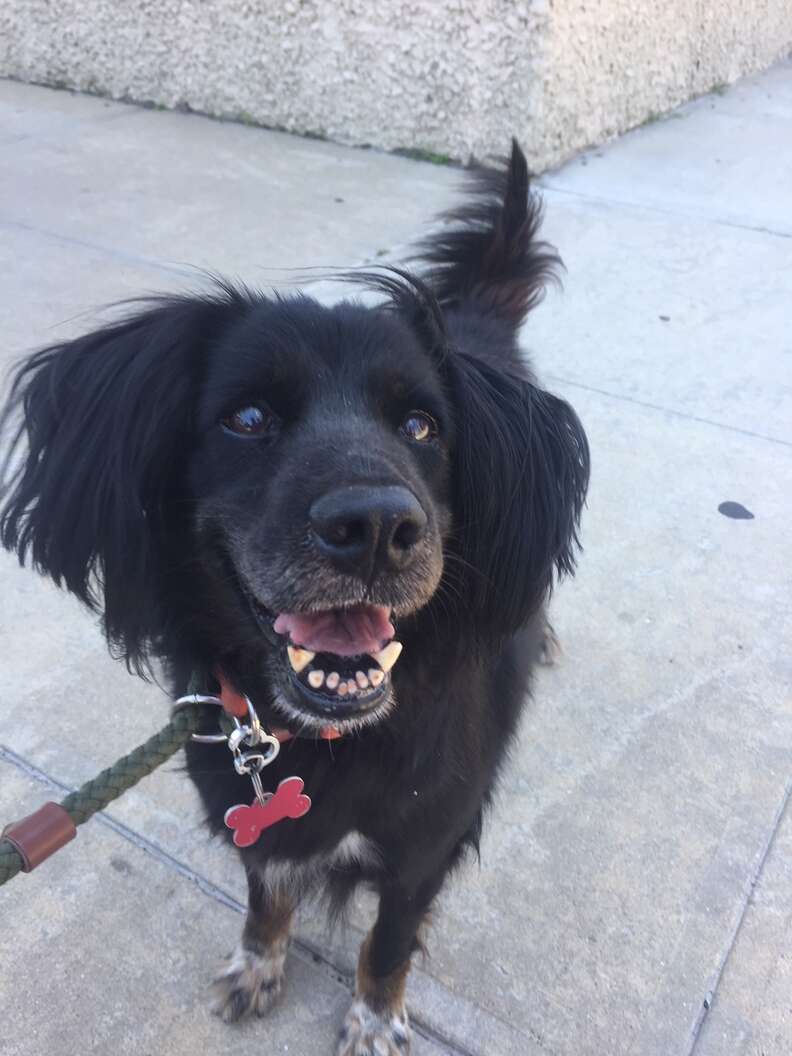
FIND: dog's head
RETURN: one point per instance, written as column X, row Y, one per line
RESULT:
column 320, row 491
column 281, row 489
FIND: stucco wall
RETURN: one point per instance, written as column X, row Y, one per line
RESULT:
column 456, row 77
column 608, row 65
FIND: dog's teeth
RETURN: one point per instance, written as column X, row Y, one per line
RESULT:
column 343, row 689
column 332, row 680
column 389, row 655
column 299, row 658
column 361, row 680
column 315, row 679
column 376, row 678
column 352, row 686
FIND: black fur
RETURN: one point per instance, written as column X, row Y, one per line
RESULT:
column 131, row 495
column 490, row 259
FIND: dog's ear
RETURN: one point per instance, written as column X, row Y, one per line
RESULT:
column 104, row 421
column 522, row 467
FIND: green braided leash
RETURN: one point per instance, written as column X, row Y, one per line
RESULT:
column 95, row 794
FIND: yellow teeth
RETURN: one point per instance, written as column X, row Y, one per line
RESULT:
column 299, row 658
column 386, row 658
column 389, row 655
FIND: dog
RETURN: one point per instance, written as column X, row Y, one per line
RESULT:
column 350, row 516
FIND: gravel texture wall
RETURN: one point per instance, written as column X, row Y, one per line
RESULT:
column 453, row 77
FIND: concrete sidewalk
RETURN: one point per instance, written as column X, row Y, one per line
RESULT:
column 635, row 889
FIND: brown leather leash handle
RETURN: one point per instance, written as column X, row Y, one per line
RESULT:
column 40, row 834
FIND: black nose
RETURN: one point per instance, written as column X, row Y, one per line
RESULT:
column 364, row 530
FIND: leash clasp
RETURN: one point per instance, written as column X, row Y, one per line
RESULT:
column 203, row 698
column 249, row 735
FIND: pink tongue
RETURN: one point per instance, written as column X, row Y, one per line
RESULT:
column 346, row 632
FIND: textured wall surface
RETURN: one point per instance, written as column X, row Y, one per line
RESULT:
column 456, row 77
column 608, row 65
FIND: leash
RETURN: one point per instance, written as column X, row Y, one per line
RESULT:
column 26, row 843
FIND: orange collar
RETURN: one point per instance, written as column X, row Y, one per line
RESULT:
column 235, row 704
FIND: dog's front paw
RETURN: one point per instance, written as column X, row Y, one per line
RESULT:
column 249, row 985
column 369, row 1033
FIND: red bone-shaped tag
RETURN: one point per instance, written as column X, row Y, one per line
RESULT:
column 287, row 801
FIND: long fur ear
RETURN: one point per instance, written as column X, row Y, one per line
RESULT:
column 105, row 420
column 522, row 465
column 488, row 255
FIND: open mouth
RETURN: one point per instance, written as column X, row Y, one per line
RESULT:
column 340, row 660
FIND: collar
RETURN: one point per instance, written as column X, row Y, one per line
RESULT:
column 235, row 704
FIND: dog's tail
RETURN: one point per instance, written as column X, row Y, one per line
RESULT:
column 488, row 256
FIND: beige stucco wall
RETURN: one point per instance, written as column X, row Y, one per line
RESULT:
column 608, row 65
column 456, row 77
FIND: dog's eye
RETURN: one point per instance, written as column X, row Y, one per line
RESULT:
column 249, row 421
column 419, row 426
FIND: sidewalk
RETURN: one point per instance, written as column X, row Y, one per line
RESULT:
column 635, row 889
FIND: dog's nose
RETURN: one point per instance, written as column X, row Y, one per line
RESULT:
column 364, row 529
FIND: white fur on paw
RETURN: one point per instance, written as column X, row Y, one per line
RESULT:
column 369, row 1033
column 550, row 647
column 250, row 984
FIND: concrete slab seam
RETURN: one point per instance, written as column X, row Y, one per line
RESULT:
column 128, row 258
column 668, row 410
column 653, row 207
column 712, row 992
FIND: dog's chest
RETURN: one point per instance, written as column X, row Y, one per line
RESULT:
column 354, row 850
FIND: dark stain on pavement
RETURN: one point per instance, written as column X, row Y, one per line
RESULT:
column 735, row 510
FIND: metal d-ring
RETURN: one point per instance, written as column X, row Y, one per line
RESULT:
column 252, row 763
column 257, row 733
column 198, row 698
column 203, row 698
column 249, row 762
column 210, row 738
column 247, row 735
column 257, row 736
column 257, row 760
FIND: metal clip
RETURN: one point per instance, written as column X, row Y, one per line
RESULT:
column 244, row 735
column 201, row 698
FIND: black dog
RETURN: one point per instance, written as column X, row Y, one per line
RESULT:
column 280, row 498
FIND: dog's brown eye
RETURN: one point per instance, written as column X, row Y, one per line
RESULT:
column 419, row 426
column 248, row 421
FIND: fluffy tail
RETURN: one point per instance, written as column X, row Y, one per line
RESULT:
column 489, row 255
